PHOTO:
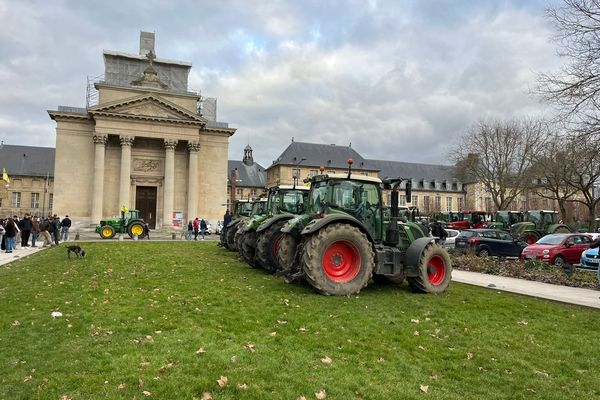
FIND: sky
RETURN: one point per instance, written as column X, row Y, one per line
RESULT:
column 398, row 80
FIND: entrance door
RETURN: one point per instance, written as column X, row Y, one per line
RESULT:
column 145, row 201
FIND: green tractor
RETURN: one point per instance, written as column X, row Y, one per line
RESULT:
column 347, row 236
column 130, row 223
column 505, row 219
column 259, row 207
column 537, row 224
column 241, row 210
column 260, row 235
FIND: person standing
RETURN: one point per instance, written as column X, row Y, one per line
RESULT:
column 203, row 227
column 10, row 235
column 2, row 232
column 25, row 226
column 196, row 227
column 226, row 221
column 45, row 227
column 35, row 230
column 65, row 225
column 56, row 229
column 190, row 230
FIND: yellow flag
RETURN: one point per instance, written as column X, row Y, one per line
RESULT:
column 5, row 176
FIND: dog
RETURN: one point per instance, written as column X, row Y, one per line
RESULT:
column 77, row 250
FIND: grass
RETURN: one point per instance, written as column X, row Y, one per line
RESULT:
column 170, row 319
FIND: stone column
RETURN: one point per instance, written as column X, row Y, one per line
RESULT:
column 169, row 188
column 192, row 198
column 125, row 177
column 100, row 141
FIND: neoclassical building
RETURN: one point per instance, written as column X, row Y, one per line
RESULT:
column 145, row 141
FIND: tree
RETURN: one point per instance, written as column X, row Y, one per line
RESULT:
column 499, row 155
column 554, row 167
column 585, row 151
column 576, row 87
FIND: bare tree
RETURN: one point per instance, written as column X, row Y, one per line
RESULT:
column 585, row 151
column 499, row 155
column 554, row 167
column 575, row 88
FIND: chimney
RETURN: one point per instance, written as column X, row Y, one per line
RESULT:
column 146, row 43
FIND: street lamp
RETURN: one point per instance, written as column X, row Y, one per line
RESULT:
column 296, row 171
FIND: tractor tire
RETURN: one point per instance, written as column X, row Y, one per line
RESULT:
column 248, row 248
column 267, row 246
column 286, row 253
column 338, row 260
column 529, row 237
column 231, row 237
column 237, row 240
column 107, row 232
column 435, row 271
column 135, row 228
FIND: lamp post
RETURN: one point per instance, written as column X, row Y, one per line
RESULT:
column 296, row 176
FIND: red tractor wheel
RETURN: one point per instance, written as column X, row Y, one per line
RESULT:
column 435, row 271
column 338, row 260
column 267, row 246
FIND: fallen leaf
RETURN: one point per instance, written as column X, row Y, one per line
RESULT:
column 326, row 360
column 16, row 323
column 121, row 386
column 421, row 348
column 273, row 334
column 301, row 398
column 65, row 397
column 206, row 396
column 380, row 360
column 434, row 377
column 222, row 381
column 242, row 386
column 56, row 314
column 416, row 333
column 233, row 359
column 321, row 394
column 523, row 322
column 250, row 346
column 200, row 350
column 469, row 356
column 144, row 364
column 281, row 322
column 542, row 373
column 302, row 329
column 424, row 388
column 27, row 378
column 414, row 321
column 146, row 393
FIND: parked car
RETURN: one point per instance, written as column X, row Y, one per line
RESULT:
column 558, row 248
column 489, row 242
column 590, row 259
column 452, row 234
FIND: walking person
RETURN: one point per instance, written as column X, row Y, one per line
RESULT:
column 10, row 235
column 25, row 226
column 18, row 235
column 226, row 221
column 196, row 227
column 203, row 227
column 65, row 225
column 35, row 230
column 45, row 227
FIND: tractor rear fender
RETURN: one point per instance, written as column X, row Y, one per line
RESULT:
column 413, row 255
column 561, row 227
column 316, row 224
column 267, row 224
column 233, row 223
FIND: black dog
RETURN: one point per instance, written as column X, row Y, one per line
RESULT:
column 75, row 249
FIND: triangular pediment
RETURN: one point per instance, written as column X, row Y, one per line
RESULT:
column 147, row 107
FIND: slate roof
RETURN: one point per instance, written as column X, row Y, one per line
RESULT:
column 327, row 155
column 428, row 172
column 27, row 160
column 248, row 175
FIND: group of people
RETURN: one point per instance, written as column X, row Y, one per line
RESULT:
column 197, row 227
column 26, row 231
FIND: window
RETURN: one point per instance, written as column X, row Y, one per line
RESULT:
column 35, row 200
column 50, row 201
column 426, row 205
column 313, row 172
column 460, row 204
column 228, row 190
column 421, row 184
column 296, row 172
column 16, row 200
column 239, row 191
column 253, row 192
column 488, row 204
column 448, row 203
column 402, row 200
column 438, row 203
column 505, row 236
column 545, row 204
column 415, row 201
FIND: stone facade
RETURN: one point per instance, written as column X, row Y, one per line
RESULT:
column 143, row 146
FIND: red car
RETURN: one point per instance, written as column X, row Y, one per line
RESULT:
column 558, row 249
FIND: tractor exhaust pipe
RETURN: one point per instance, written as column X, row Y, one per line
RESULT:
column 392, row 235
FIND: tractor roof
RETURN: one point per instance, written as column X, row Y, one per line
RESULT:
column 291, row 187
column 355, row 177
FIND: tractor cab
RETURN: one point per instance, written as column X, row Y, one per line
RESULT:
column 505, row 219
column 242, row 208
column 469, row 220
column 538, row 223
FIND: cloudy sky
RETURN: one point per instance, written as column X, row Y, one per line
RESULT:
column 400, row 80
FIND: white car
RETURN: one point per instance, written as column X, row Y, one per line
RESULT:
column 452, row 234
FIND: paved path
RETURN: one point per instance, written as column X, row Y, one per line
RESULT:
column 564, row 294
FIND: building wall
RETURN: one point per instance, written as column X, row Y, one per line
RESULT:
column 283, row 174
column 26, row 186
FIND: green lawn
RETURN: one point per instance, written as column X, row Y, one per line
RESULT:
column 167, row 320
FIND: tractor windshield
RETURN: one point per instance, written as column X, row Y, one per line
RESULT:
column 244, row 209
column 318, row 196
column 292, row 201
column 258, row 208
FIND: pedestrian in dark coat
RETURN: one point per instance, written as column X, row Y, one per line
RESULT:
column 10, row 235
column 56, row 229
column 203, row 227
column 25, row 226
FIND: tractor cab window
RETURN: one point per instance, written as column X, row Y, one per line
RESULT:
column 274, row 203
column 259, row 208
column 318, row 196
column 292, row 202
column 549, row 218
column 245, row 209
column 359, row 199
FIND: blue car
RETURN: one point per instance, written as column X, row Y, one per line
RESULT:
column 590, row 259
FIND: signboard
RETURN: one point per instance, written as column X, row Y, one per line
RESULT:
column 178, row 221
